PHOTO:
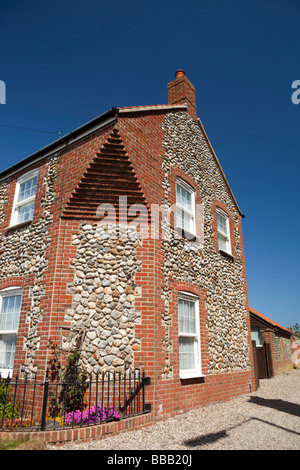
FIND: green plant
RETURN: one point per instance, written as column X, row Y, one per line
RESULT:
column 73, row 383
column 23, row 444
column 54, row 362
column 8, row 408
column 295, row 329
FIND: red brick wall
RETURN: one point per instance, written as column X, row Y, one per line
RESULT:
column 182, row 91
column 281, row 356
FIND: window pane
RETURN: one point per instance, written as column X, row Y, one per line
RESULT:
column 7, row 350
column 186, row 353
column 187, row 222
column 184, row 220
column 25, row 212
column 187, row 317
column 27, row 189
column 256, row 335
column 184, row 197
column 10, row 312
column 179, row 218
column 223, row 243
column 222, row 223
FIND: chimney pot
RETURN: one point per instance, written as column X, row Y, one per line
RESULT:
column 179, row 73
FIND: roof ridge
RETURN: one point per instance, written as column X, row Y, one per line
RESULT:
column 148, row 107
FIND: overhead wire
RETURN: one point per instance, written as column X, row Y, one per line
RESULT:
column 34, row 130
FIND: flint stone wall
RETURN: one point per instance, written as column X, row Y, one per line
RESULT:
column 3, row 198
column 23, row 255
column 203, row 265
column 287, row 347
column 104, row 294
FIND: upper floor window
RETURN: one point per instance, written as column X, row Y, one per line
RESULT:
column 223, row 231
column 10, row 306
column 185, row 206
column 24, row 198
column 189, row 335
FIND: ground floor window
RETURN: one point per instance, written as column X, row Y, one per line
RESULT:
column 10, row 306
column 256, row 335
column 189, row 335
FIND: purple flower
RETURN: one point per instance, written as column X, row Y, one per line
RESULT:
column 92, row 415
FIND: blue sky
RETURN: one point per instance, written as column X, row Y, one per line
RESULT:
column 64, row 63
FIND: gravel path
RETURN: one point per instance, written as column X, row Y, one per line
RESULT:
column 267, row 419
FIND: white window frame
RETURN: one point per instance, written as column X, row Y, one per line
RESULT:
column 190, row 213
column 196, row 371
column 255, row 330
column 221, row 233
column 18, row 205
column 9, row 292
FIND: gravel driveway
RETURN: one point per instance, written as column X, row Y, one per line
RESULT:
column 268, row 419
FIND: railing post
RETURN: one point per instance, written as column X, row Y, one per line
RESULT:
column 45, row 400
column 146, row 383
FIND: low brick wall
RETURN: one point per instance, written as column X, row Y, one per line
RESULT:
column 61, row 436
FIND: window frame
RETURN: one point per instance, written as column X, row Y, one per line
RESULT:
column 4, row 293
column 197, row 370
column 224, row 235
column 17, row 205
column 255, row 330
column 191, row 213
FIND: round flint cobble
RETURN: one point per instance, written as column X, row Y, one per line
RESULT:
column 103, row 296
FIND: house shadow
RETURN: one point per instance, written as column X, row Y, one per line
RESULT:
column 206, row 439
column 213, row 437
column 277, row 404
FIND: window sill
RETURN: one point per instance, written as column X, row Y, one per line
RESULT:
column 195, row 375
column 227, row 255
column 6, row 373
column 185, row 234
column 16, row 226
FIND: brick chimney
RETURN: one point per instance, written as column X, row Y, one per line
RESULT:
column 181, row 91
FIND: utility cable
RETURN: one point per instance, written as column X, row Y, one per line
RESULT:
column 34, row 130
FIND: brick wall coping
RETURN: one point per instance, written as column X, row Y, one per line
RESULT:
column 86, row 433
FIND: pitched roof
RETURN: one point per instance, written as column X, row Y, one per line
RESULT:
column 60, row 143
column 268, row 320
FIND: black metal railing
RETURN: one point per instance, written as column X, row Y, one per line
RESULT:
column 26, row 403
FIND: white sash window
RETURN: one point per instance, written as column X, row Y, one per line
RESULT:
column 185, row 206
column 189, row 335
column 24, row 198
column 10, row 306
column 223, row 231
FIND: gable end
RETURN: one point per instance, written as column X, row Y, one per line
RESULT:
column 108, row 177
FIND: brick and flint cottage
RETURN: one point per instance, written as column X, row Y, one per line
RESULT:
column 126, row 232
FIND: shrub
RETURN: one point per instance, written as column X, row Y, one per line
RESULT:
column 73, row 383
column 8, row 409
